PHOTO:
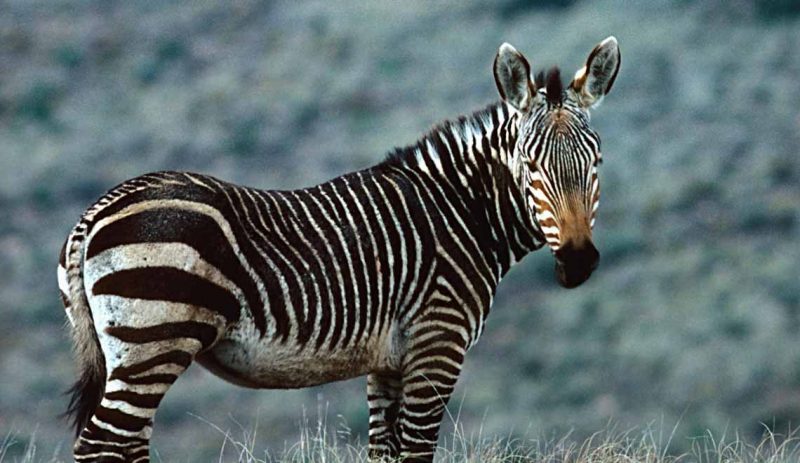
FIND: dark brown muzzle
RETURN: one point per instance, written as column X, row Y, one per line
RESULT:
column 576, row 262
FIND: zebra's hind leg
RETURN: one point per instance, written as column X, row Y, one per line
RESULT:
column 142, row 364
column 383, row 396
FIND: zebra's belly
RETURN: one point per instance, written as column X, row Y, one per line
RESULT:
column 272, row 364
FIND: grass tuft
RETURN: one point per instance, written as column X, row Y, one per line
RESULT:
column 16, row 450
column 321, row 442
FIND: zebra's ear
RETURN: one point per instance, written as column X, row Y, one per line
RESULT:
column 593, row 81
column 512, row 74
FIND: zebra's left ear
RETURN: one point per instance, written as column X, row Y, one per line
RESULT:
column 593, row 81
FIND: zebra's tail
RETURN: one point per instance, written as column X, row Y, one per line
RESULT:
column 88, row 390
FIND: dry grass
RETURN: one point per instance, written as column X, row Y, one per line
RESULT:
column 26, row 452
column 321, row 442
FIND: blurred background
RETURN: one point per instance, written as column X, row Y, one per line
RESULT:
column 692, row 319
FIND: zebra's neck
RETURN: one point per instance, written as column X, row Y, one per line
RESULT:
column 473, row 159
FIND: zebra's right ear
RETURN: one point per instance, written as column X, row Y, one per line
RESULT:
column 512, row 74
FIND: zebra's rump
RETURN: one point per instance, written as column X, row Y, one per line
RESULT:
column 131, row 257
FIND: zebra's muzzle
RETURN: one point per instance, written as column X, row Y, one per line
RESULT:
column 575, row 264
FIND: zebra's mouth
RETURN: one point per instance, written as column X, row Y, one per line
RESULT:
column 571, row 278
column 575, row 265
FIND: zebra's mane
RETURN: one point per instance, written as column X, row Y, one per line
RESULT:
column 477, row 122
column 552, row 84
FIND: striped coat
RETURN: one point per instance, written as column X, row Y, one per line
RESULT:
column 387, row 272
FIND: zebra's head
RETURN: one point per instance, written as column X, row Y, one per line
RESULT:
column 557, row 152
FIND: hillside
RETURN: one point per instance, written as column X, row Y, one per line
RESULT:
column 692, row 318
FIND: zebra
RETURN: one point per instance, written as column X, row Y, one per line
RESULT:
column 387, row 272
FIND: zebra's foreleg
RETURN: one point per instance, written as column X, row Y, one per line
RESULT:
column 429, row 376
column 383, row 396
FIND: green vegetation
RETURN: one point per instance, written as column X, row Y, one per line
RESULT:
column 693, row 316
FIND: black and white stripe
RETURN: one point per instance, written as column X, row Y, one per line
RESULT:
column 387, row 272
column 563, row 165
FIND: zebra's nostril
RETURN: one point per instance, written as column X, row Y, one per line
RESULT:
column 584, row 256
column 575, row 264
